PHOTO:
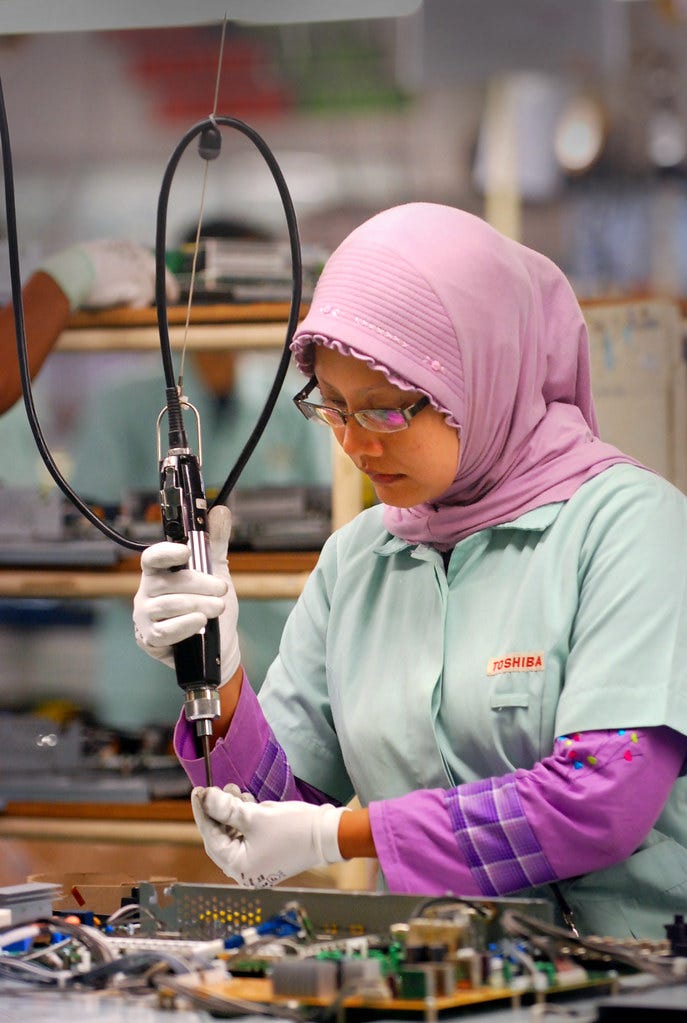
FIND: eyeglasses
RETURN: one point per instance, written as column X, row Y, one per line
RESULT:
column 379, row 420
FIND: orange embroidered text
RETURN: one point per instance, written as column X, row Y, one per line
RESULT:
column 533, row 661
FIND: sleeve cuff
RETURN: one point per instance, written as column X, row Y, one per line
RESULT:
column 416, row 847
column 236, row 756
column 73, row 272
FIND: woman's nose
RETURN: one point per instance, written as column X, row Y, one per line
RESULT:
column 356, row 440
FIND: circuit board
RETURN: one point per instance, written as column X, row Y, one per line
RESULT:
column 260, row 991
column 366, row 955
column 314, row 956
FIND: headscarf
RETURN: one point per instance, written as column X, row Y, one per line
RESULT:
column 491, row 330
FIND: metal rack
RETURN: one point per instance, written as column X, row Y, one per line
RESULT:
column 204, row 911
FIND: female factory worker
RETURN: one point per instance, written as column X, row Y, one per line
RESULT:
column 494, row 657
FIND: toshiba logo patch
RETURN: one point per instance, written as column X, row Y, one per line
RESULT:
column 516, row 662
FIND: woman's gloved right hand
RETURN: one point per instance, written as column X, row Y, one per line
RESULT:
column 171, row 606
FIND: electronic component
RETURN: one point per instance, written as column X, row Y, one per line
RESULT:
column 195, row 952
column 306, row 955
column 243, row 270
column 379, row 952
column 211, row 911
column 304, row 978
column 21, row 902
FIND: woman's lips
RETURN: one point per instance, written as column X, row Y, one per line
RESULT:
column 384, row 478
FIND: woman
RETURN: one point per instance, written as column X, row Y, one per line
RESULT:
column 492, row 658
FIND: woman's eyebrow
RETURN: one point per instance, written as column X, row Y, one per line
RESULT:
column 375, row 394
column 329, row 391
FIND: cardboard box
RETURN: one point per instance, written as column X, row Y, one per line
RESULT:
column 101, row 894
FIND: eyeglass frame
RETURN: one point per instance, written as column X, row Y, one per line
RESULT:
column 299, row 400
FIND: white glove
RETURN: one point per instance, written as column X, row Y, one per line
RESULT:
column 261, row 844
column 99, row 274
column 171, row 606
column 247, row 797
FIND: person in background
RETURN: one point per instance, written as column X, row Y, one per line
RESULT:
column 91, row 275
column 116, row 455
column 492, row 658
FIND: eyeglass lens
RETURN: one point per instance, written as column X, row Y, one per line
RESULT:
column 379, row 420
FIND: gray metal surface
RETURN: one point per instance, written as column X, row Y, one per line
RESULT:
column 23, row 1005
column 209, row 911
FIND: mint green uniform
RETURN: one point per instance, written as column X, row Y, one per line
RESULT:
column 396, row 675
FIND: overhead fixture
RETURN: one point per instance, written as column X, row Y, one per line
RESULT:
column 666, row 138
column 514, row 154
column 30, row 16
column 580, row 134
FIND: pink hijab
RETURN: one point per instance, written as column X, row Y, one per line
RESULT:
column 491, row 330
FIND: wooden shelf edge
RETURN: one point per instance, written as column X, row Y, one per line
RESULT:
column 124, row 317
column 125, row 832
column 159, row 810
column 89, row 585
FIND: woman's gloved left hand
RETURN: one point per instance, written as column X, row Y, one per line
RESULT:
column 261, row 844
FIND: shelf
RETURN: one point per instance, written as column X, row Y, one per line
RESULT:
column 161, row 809
column 166, row 821
column 123, row 832
column 239, row 327
column 256, row 576
column 61, row 837
column 163, row 821
column 68, row 840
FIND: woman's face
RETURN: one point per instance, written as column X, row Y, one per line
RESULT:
column 405, row 468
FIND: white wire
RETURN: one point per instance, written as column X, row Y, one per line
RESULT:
column 201, row 210
column 219, row 63
column 540, row 1010
column 28, row 971
column 19, row 934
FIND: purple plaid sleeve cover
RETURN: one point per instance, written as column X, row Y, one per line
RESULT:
column 495, row 838
column 588, row 805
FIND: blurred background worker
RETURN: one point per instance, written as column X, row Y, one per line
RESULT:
column 110, row 452
column 46, row 644
column 91, row 275
column 116, row 456
column 117, row 452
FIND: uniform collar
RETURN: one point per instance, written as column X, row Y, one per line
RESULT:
column 536, row 520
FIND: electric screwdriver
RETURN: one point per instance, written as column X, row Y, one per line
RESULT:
column 185, row 520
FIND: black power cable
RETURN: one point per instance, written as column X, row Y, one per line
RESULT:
column 209, row 145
